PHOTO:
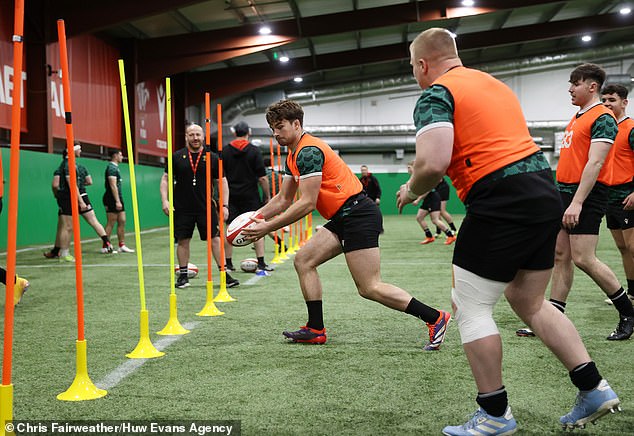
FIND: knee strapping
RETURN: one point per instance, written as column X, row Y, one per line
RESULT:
column 474, row 298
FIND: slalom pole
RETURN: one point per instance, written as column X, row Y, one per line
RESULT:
column 6, row 389
column 144, row 349
column 210, row 308
column 82, row 387
column 283, row 255
column 291, row 247
column 309, row 226
column 297, row 225
column 302, row 241
column 223, row 296
column 276, row 257
column 173, row 326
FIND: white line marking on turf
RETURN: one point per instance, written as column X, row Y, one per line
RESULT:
column 127, row 368
column 253, row 280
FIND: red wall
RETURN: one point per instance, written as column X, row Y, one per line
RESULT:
column 95, row 91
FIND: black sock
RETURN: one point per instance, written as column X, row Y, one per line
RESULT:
column 559, row 305
column 448, row 233
column 261, row 262
column 315, row 315
column 55, row 251
column 3, row 275
column 105, row 240
column 182, row 271
column 585, row 376
column 228, row 263
column 622, row 303
column 422, row 311
column 630, row 287
column 452, row 226
column 494, row 403
column 428, row 233
column 437, row 230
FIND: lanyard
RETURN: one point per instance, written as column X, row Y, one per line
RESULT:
column 194, row 167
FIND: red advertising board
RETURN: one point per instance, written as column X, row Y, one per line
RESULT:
column 6, row 69
column 150, row 125
column 95, row 91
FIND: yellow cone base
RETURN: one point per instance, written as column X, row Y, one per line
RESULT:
column 223, row 296
column 283, row 255
column 82, row 388
column 210, row 308
column 276, row 256
column 144, row 349
column 6, row 408
column 173, row 326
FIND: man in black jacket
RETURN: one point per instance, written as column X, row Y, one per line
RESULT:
column 370, row 185
column 244, row 169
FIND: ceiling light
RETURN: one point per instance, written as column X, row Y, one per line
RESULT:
column 284, row 59
column 468, row 3
column 625, row 10
column 265, row 30
column 586, row 38
column 298, row 79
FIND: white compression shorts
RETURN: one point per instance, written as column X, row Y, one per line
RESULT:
column 474, row 298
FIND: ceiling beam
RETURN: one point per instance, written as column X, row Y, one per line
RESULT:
column 174, row 54
column 94, row 16
column 241, row 79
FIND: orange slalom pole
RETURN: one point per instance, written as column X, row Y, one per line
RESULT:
column 223, row 296
column 209, row 185
column 6, row 390
column 276, row 252
column 210, row 308
column 82, row 387
column 72, row 171
column 14, row 169
column 283, row 255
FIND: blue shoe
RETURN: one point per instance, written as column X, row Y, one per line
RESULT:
column 590, row 406
column 437, row 331
column 481, row 423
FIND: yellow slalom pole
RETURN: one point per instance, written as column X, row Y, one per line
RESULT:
column 144, row 349
column 173, row 326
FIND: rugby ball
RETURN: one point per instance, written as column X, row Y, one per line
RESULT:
column 249, row 265
column 241, row 222
column 192, row 271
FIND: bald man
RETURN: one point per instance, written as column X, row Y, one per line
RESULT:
column 470, row 126
column 190, row 200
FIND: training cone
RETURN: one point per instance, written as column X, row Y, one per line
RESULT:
column 210, row 308
column 82, row 388
column 173, row 326
column 6, row 409
column 283, row 252
column 223, row 296
column 276, row 256
column 144, row 349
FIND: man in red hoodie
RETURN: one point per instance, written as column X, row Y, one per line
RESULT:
column 244, row 169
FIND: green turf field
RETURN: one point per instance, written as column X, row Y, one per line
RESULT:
column 371, row 378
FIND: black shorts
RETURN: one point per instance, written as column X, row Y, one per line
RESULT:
column 443, row 190
column 512, row 224
column 185, row 222
column 497, row 249
column 617, row 218
column 64, row 207
column 594, row 207
column 240, row 205
column 357, row 224
column 431, row 202
column 110, row 205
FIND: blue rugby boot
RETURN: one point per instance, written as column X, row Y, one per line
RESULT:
column 481, row 424
column 590, row 406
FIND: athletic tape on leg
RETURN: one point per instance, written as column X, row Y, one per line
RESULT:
column 474, row 298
